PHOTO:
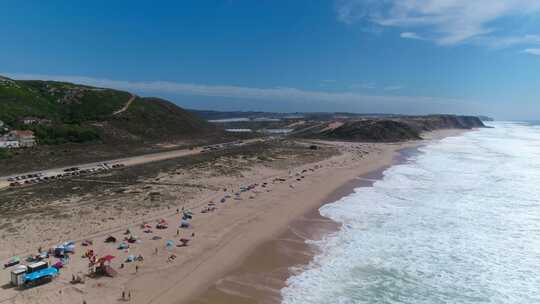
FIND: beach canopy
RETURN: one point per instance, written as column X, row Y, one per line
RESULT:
column 59, row 251
column 51, row 271
column 107, row 258
column 162, row 224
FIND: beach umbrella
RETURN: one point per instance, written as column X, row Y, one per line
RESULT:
column 107, row 258
column 69, row 248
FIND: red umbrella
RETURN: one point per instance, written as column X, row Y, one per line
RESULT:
column 107, row 258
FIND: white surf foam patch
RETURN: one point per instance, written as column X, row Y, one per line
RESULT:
column 457, row 223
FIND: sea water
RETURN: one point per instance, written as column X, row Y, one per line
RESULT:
column 458, row 222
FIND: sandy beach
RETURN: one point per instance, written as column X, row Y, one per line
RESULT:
column 242, row 252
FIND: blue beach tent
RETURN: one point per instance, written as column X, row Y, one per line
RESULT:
column 47, row 272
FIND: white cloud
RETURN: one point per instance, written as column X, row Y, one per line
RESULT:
column 535, row 52
column 508, row 41
column 446, row 22
column 383, row 103
column 410, row 35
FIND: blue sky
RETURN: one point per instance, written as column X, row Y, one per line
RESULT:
column 397, row 56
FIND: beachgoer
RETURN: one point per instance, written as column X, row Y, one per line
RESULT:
column 156, row 251
column 129, row 296
column 123, row 295
column 193, row 234
column 177, row 231
column 136, row 268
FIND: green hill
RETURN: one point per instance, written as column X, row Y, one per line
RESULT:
column 78, row 113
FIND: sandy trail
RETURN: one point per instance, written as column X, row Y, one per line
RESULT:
column 126, row 106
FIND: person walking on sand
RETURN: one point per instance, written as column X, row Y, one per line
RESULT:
column 136, row 268
column 129, row 296
column 123, row 295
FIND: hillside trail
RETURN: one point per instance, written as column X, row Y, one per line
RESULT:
column 126, row 106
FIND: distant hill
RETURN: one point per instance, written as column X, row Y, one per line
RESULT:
column 221, row 115
column 79, row 113
column 387, row 129
column 486, row 118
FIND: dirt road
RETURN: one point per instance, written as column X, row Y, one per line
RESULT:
column 126, row 106
column 128, row 161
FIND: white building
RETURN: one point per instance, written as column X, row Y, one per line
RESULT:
column 18, row 139
column 8, row 143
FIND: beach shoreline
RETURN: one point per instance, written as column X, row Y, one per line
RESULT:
column 227, row 240
column 262, row 274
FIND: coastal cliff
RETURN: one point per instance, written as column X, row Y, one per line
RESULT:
column 391, row 129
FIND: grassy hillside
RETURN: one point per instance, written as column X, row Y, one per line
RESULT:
column 79, row 113
column 162, row 120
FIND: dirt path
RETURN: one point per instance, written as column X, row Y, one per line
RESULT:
column 126, row 106
column 128, row 161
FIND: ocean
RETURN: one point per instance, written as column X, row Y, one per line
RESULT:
column 456, row 222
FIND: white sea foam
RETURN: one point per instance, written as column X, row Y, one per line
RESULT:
column 457, row 223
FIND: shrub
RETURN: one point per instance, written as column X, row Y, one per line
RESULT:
column 4, row 153
column 65, row 133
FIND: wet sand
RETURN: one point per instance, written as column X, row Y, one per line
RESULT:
column 261, row 276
